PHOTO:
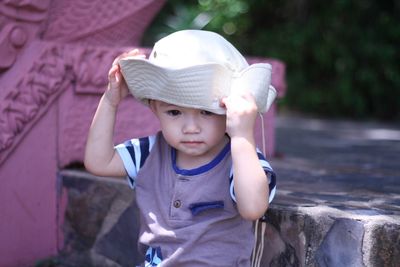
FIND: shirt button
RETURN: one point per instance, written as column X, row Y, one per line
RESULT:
column 177, row 204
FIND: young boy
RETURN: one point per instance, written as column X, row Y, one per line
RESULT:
column 200, row 182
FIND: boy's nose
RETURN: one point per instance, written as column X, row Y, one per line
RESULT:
column 190, row 125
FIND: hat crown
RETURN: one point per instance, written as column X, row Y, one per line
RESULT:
column 188, row 48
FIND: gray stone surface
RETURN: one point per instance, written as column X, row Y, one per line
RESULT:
column 119, row 243
column 384, row 249
column 347, row 165
column 342, row 245
column 93, row 232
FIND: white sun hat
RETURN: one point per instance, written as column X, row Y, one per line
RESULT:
column 196, row 68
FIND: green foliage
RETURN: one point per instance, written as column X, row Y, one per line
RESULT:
column 342, row 56
column 222, row 16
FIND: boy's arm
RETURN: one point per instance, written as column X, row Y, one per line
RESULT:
column 251, row 182
column 100, row 156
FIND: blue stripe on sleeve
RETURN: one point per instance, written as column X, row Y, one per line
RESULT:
column 260, row 156
column 144, row 150
column 272, row 181
column 129, row 146
column 268, row 171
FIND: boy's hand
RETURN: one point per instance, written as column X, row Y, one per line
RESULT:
column 117, row 88
column 241, row 113
column 251, row 183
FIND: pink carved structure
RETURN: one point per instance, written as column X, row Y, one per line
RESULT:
column 54, row 58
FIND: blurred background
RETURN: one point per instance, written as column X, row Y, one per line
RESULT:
column 342, row 56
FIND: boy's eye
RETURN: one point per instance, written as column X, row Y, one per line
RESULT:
column 207, row 113
column 173, row 112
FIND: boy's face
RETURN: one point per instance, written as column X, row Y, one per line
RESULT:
column 192, row 132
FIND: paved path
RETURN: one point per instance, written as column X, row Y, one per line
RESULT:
column 348, row 165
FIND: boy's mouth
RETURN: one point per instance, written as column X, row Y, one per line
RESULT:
column 192, row 143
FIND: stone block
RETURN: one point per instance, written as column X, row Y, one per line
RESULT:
column 342, row 245
column 95, row 206
column 118, row 241
column 384, row 249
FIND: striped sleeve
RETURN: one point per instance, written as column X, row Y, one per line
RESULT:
column 134, row 153
column 268, row 171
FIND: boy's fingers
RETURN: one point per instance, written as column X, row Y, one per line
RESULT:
column 228, row 100
column 112, row 72
column 115, row 62
column 248, row 96
column 242, row 102
column 134, row 52
column 118, row 76
column 114, row 77
column 223, row 102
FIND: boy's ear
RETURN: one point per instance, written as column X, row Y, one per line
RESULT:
column 152, row 105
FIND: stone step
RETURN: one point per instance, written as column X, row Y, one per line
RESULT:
column 100, row 229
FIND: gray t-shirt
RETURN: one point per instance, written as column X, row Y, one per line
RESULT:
column 188, row 217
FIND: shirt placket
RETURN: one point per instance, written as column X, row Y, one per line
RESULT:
column 178, row 206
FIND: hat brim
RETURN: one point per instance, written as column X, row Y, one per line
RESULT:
column 201, row 86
